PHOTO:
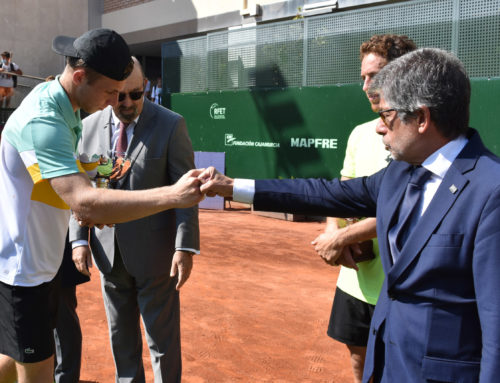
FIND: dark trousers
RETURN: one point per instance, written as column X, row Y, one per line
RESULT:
column 68, row 338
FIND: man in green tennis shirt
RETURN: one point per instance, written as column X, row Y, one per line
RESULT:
column 41, row 180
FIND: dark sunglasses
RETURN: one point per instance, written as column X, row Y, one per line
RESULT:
column 134, row 96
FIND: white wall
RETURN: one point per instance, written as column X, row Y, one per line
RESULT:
column 163, row 12
column 27, row 28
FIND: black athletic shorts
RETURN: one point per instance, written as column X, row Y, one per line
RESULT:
column 27, row 319
column 350, row 319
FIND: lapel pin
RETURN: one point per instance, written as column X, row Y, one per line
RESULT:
column 453, row 189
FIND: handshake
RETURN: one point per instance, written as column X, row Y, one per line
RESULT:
column 193, row 186
column 106, row 207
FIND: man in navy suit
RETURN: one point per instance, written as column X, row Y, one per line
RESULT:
column 438, row 315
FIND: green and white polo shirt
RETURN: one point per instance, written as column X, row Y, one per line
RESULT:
column 38, row 143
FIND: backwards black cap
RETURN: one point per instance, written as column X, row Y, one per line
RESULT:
column 103, row 50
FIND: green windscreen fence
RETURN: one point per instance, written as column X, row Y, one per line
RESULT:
column 280, row 99
column 292, row 132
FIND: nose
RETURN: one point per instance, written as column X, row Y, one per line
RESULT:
column 381, row 128
column 127, row 101
column 366, row 83
column 112, row 100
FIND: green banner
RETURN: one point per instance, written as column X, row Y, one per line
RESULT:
column 299, row 132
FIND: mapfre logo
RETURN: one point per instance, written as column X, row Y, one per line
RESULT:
column 217, row 112
column 317, row 143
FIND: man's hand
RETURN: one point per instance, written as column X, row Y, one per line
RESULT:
column 328, row 247
column 346, row 259
column 187, row 189
column 215, row 183
column 82, row 259
column 331, row 248
column 182, row 263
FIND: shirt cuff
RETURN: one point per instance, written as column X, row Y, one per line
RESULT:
column 243, row 190
column 188, row 250
column 78, row 243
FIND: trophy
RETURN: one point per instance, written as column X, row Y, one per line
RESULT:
column 105, row 170
column 121, row 165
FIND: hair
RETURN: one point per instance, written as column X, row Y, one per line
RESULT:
column 78, row 63
column 137, row 62
column 388, row 46
column 428, row 77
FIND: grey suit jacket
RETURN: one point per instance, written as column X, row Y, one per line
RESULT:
column 160, row 153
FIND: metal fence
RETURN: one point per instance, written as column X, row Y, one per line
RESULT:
column 323, row 50
column 24, row 85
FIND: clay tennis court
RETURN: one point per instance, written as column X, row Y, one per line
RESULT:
column 255, row 309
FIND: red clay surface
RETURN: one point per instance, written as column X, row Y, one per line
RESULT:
column 255, row 308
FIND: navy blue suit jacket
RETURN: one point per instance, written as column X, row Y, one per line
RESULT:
column 439, row 310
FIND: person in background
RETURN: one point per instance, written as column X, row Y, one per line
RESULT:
column 147, row 89
column 139, row 261
column 156, row 91
column 7, row 81
column 358, row 286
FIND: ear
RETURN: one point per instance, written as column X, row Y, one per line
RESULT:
column 79, row 76
column 423, row 119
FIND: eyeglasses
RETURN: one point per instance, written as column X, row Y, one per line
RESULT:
column 383, row 116
column 134, row 96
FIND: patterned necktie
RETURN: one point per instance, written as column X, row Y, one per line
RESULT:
column 408, row 211
column 122, row 143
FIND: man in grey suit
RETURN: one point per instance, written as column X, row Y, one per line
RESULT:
column 139, row 260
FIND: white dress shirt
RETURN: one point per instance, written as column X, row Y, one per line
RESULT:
column 438, row 164
column 115, row 131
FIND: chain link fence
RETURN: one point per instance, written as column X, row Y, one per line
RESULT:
column 323, row 50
